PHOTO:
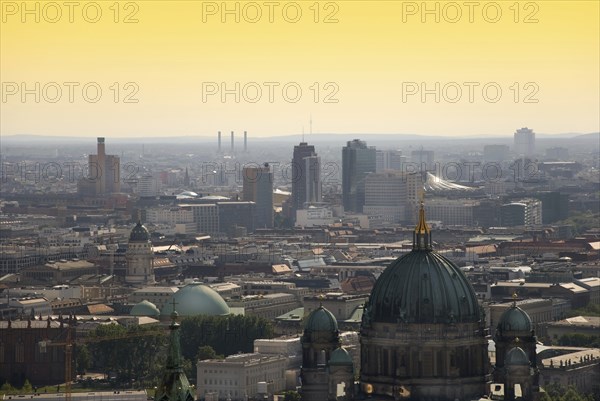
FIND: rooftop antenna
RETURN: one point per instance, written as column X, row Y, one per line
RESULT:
column 310, row 125
column 303, row 133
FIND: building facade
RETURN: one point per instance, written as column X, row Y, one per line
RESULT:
column 357, row 161
column 306, row 176
column 140, row 258
column 258, row 188
column 524, row 142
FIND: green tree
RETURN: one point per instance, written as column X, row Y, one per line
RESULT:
column 7, row 388
column 26, row 387
column 291, row 396
column 227, row 335
column 83, row 359
column 572, row 395
column 205, row 352
column 579, row 340
column 134, row 353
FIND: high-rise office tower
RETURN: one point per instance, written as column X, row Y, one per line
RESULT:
column 423, row 159
column 104, row 171
column 386, row 196
column 306, row 176
column 357, row 161
column 389, row 160
column 258, row 188
column 524, row 142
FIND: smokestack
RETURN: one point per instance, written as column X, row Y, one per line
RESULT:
column 231, row 141
column 245, row 141
column 101, row 151
column 100, row 168
column 219, row 140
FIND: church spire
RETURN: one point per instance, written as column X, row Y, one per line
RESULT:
column 422, row 234
column 174, row 385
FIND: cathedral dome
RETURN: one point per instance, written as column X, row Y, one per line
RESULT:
column 516, row 357
column 340, row 357
column 422, row 287
column 321, row 320
column 196, row 299
column 139, row 233
column 515, row 320
column 144, row 308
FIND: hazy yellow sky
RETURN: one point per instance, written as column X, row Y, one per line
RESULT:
column 361, row 66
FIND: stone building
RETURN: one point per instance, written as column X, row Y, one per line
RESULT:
column 423, row 333
column 26, row 351
column 516, row 358
column 423, row 337
column 140, row 269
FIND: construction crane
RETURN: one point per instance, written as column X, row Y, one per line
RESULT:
column 70, row 341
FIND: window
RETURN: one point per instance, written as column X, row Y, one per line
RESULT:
column 19, row 352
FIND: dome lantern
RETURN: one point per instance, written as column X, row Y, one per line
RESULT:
column 422, row 234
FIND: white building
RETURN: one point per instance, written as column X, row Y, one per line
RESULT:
column 31, row 306
column 451, row 212
column 389, row 194
column 524, row 140
column 205, row 216
column 159, row 296
column 289, row 347
column 148, row 185
column 239, row 377
column 314, row 216
column 170, row 215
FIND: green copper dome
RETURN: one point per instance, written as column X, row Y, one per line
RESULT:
column 145, row 308
column 515, row 320
column 139, row 233
column 321, row 320
column 422, row 287
column 516, row 357
column 196, row 299
column 340, row 357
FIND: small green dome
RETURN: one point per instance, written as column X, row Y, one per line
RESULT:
column 340, row 357
column 145, row 308
column 139, row 233
column 517, row 357
column 321, row 320
column 515, row 320
column 196, row 299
